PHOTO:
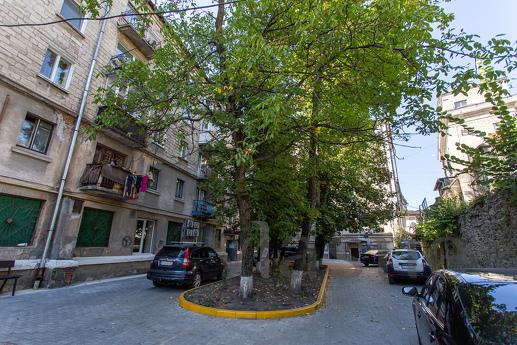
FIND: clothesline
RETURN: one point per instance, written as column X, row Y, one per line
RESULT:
column 134, row 185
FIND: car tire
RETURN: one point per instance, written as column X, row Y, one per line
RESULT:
column 197, row 280
column 391, row 280
column 366, row 264
column 156, row 283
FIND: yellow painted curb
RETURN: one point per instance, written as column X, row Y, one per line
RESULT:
column 272, row 314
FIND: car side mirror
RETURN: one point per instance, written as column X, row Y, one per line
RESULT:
column 410, row 291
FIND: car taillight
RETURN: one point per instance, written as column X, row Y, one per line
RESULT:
column 186, row 261
column 151, row 264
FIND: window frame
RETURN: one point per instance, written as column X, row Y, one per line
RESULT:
column 32, row 138
column 460, row 104
column 156, row 179
column 183, row 150
column 53, row 71
column 180, row 188
column 82, row 28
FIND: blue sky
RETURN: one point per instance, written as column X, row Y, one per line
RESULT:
column 419, row 168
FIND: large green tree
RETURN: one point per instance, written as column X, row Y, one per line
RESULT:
column 321, row 72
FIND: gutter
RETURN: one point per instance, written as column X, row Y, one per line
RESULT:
column 41, row 266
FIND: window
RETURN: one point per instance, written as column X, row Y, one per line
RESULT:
column 105, row 155
column 35, row 134
column 179, row 188
column 159, row 138
column 153, row 178
column 122, row 55
column 70, row 9
column 56, row 69
column 144, row 236
column 183, row 149
column 173, row 232
column 460, row 104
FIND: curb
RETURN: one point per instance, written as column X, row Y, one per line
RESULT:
column 272, row 314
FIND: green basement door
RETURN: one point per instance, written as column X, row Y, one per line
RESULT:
column 18, row 217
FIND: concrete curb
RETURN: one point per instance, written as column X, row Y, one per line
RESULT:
column 273, row 314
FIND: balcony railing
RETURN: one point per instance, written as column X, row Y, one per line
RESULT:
column 104, row 179
column 203, row 171
column 202, row 209
column 131, row 26
column 128, row 128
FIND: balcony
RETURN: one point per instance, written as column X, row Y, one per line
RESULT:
column 203, row 172
column 130, row 26
column 204, row 138
column 202, row 209
column 104, row 180
column 129, row 130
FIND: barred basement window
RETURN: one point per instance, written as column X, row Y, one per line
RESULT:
column 95, row 228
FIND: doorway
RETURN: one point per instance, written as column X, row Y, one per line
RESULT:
column 144, row 234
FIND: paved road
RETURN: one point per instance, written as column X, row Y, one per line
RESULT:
column 361, row 308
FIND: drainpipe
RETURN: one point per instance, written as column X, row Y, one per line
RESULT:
column 82, row 107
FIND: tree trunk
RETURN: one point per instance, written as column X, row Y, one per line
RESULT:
column 246, row 285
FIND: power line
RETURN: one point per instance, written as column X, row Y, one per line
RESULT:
column 117, row 16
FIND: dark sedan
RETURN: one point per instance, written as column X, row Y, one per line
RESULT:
column 371, row 257
column 185, row 264
column 470, row 308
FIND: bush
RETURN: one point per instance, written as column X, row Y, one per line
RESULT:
column 441, row 220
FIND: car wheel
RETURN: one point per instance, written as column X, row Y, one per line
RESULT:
column 196, row 282
column 157, row 283
column 366, row 264
column 391, row 280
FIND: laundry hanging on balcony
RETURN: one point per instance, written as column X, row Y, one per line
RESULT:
column 135, row 184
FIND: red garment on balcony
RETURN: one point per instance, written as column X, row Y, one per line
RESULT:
column 143, row 187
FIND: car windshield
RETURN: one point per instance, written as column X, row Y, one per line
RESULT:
column 176, row 252
column 406, row 255
column 491, row 310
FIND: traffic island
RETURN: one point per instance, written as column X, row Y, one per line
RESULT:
column 271, row 297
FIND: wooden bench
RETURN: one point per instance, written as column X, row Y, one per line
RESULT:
column 5, row 276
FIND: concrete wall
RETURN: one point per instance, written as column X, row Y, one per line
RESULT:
column 488, row 237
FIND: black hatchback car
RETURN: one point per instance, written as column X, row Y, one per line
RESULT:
column 185, row 265
column 472, row 307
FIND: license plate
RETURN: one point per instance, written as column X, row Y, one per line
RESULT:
column 406, row 265
column 165, row 263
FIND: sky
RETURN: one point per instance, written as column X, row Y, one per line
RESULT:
column 419, row 168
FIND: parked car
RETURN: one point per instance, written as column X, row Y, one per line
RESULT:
column 469, row 308
column 185, row 265
column 371, row 257
column 407, row 264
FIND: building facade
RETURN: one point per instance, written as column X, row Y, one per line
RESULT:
column 477, row 114
column 126, row 193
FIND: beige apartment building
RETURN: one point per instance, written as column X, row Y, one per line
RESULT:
column 478, row 116
column 126, row 194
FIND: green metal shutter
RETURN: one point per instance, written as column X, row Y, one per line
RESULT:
column 18, row 217
column 95, row 228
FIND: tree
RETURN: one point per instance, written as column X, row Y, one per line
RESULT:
column 322, row 73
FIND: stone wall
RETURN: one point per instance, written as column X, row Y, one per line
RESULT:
column 488, row 237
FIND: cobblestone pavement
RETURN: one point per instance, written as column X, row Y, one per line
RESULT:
column 361, row 308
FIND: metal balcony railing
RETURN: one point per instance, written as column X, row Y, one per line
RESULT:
column 202, row 209
column 104, row 179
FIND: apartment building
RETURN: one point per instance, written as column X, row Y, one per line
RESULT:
column 477, row 115
column 127, row 193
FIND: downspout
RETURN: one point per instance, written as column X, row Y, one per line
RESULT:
column 82, row 107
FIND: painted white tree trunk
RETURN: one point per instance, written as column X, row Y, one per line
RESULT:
column 296, row 281
column 246, row 286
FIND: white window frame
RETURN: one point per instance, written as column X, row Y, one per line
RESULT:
column 82, row 29
column 54, row 70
